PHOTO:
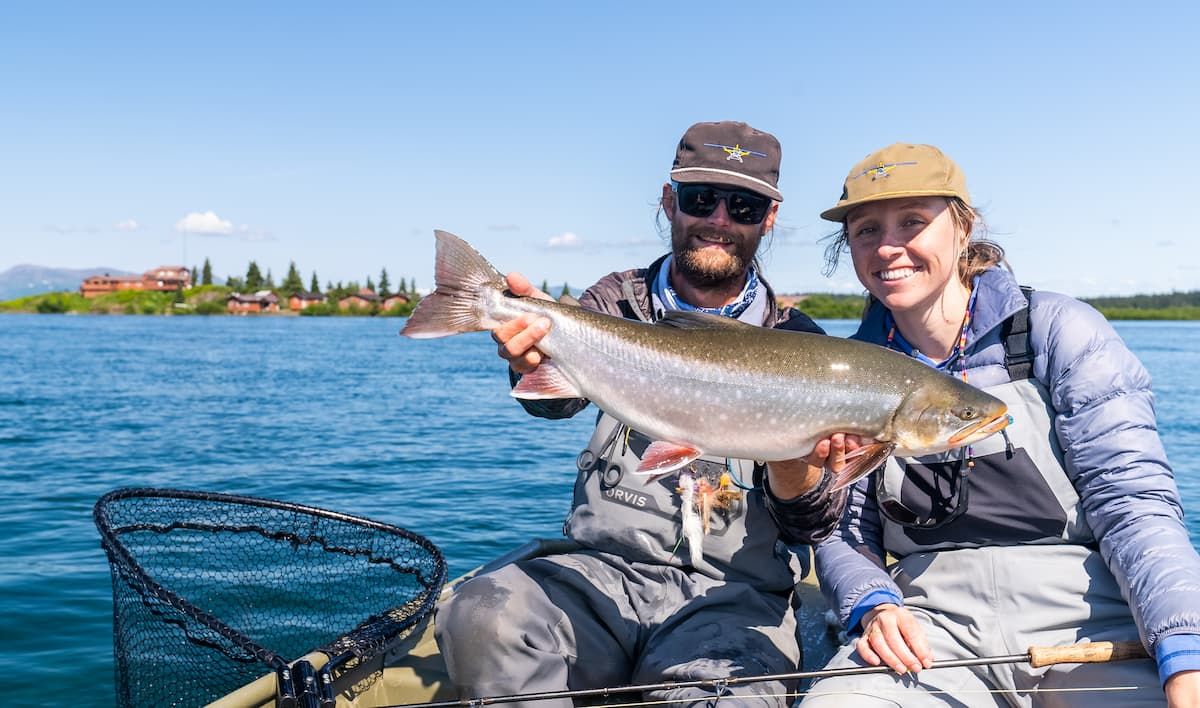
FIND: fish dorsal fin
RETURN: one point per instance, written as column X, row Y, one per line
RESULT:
column 681, row 319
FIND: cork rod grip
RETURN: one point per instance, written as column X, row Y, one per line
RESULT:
column 1086, row 653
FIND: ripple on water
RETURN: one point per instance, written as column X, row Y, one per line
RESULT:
column 335, row 413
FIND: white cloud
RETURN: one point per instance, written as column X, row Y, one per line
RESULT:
column 564, row 240
column 207, row 223
column 127, row 225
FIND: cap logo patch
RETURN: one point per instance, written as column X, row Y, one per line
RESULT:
column 735, row 152
column 882, row 170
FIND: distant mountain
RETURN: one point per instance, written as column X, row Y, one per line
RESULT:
column 23, row 280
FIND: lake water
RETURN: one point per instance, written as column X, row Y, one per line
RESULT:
column 339, row 413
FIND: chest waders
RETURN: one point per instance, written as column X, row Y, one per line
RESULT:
column 1017, row 491
column 613, row 510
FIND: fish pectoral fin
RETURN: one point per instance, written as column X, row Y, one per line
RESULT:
column 861, row 462
column 661, row 458
column 546, row 381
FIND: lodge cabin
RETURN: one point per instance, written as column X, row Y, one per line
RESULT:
column 302, row 299
column 393, row 300
column 160, row 279
column 261, row 301
column 363, row 300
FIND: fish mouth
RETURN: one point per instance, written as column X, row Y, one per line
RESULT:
column 982, row 429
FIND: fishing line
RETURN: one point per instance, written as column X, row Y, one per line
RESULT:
column 1035, row 656
column 716, row 700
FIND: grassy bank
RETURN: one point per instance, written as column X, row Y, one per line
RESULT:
column 210, row 300
column 201, row 300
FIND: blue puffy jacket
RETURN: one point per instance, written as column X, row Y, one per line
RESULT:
column 1105, row 424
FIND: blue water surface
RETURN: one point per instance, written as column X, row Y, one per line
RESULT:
column 339, row 413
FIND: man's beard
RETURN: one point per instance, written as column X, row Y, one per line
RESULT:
column 711, row 267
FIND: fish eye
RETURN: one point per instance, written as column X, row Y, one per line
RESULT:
column 967, row 413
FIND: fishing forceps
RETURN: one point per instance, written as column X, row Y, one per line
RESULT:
column 610, row 472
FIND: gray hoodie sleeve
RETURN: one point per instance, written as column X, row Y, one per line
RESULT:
column 1107, row 429
column 850, row 563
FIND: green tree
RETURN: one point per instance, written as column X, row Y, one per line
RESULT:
column 546, row 286
column 314, row 286
column 195, row 273
column 206, row 277
column 403, row 288
column 566, row 289
column 384, row 285
column 235, row 282
column 370, row 285
column 412, row 288
column 254, row 279
column 270, row 280
column 292, row 284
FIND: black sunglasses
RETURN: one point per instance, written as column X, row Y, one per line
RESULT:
column 701, row 200
column 960, row 487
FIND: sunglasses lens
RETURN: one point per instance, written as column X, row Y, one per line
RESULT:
column 701, row 201
column 747, row 208
column 698, row 200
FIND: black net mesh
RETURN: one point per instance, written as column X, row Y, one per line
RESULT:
column 211, row 591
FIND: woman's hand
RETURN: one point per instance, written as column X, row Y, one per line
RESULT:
column 831, row 451
column 892, row 636
column 1183, row 690
column 517, row 339
column 791, row 478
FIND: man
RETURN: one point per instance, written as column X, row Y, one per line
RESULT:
column 636, row 603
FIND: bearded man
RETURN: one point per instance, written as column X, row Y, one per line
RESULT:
column 641, row 601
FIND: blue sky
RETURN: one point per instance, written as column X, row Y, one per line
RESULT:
column 340, row 135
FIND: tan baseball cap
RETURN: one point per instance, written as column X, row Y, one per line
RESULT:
column 899, row 170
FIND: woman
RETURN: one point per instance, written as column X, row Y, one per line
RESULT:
column 1067, row 528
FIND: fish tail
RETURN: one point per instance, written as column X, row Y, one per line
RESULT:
column 462, row 278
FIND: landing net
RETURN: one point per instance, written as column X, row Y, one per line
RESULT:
column 211, row 591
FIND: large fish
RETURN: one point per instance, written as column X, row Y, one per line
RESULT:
column 702, row 384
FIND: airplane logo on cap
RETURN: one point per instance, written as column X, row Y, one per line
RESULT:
column 736, row 152
column 882, row 169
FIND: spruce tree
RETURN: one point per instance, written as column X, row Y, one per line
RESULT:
column 384, row 285
column 546, row 286
column 403, row 289
column 292, row 284
column 566, row 289
column 206, row 277
column 370, row 285
column 254, row 279
column 270, row 280
column 314, row 286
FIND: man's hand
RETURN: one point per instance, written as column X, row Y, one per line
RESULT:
column 791, row 478
column 892, row 636
column 517, row 339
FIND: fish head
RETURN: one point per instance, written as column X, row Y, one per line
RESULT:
column 945, row 414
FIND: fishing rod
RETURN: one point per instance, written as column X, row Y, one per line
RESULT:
column 1037, row 657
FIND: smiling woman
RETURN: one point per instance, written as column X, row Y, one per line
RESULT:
column 1073, row 495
